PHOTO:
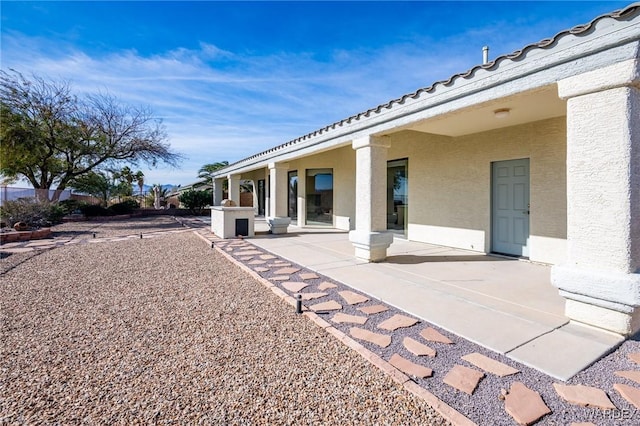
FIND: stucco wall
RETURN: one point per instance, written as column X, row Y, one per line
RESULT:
column 450, row 185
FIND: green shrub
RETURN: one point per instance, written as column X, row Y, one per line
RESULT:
column 56, row 213
column 71, row 206
column 195, row 201
column 93, row 210
column 34, row 213
column 125, row 207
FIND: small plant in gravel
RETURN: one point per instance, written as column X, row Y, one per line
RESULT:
column 35, row 214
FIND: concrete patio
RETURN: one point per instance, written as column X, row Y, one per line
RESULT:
column 506, row 305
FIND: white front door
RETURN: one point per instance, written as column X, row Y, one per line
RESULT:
column 510, row 207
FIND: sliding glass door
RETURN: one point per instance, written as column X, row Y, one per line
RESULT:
column 293, row 195
column 397, row 194
column 319, row 196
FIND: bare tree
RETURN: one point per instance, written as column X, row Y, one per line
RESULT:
column 51, row 137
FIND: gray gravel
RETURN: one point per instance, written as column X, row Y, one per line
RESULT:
column 165, row 330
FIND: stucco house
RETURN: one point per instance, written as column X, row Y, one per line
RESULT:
column 535, row 154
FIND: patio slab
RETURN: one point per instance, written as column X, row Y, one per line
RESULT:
column 566, row 351
column 508, row 306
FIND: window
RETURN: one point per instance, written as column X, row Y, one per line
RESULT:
column 319, row 196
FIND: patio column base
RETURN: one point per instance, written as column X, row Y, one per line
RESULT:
column 279, row 225
column 371, row 246
column 605, row 299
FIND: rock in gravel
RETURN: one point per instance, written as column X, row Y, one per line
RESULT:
column 340, row 317
column 331, row 305
column 635, row 357
column 378, row 339
column 490, row 365
column 352, row 297
column 629, row 374
column 417, row 348
column 374, row 309
column 463, row 378
column 397, row 321
column 433, row 335
column 410, row 368
column 586, row 396
column 630, row 393
column 524, row 405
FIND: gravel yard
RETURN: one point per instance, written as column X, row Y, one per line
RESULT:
column 165, row 330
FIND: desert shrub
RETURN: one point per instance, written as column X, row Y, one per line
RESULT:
column 195, row 201
column 70, row 206
column 56, row 213
column 93, row 210
column 125, row 207
column 32, row 212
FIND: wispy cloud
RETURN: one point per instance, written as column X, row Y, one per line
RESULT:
column 226, row 105
column 220, row 105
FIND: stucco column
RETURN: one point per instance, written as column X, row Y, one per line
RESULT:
column 278, row 189
column 217, row 191
column 370, row 238
column 601, row 279
column 234, row 188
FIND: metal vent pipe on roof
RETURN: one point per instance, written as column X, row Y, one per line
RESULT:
column 485, row 55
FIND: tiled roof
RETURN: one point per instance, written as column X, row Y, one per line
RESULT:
column 491, row 65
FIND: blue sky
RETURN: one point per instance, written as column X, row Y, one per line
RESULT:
column 230, row 79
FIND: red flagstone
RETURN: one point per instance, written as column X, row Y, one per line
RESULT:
column 418, row 348
column 331, row 305
column 373, row 309
column 490, row 365
column 433, row 335
column 326, row 285
column 267, row 256
column 257, row 262
column 260, row 269
column 248, row 252
column 244, row 259
column 286, row 271
column 409, row 367
column 381, row 340
column 310, row 296
column 308, row 276
column 631, row 375
column 586, row 396
column 629, row 393
column 339, row 317
column 524, row 405
column 635, row 357
column 280, row 278
column 463, row 378
column 353, row 298
column 397, row 321
column 294, row 286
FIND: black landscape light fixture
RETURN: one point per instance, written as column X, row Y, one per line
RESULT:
column 298, row 303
